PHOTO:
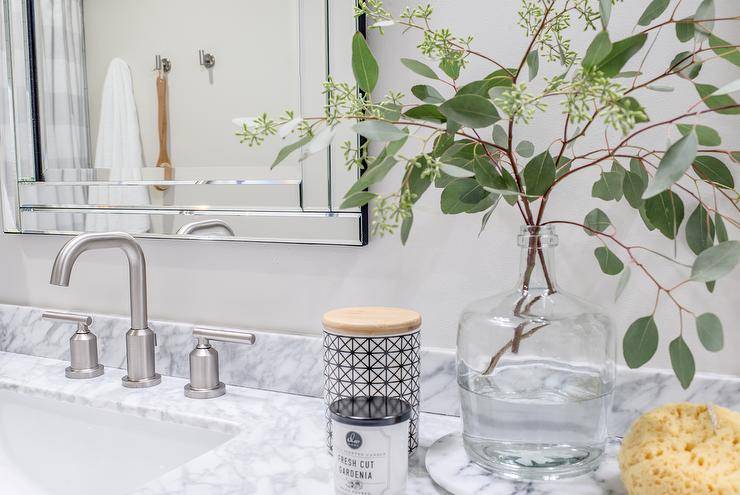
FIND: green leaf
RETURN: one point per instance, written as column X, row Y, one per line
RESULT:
column 620, row 54
column 539, row 174
column 608, row 261
column 486, row 218
column 357, row 199
column 605, row 12
column 457, row 172
column 713, row 171
column 597, row 50
column 725, row 49
column 563, row 166
column 596, row 220
column 640, row 342
column 653, row 11
column 482, row 87
column 662, row 88
column 624, row 278
column 709, row 328
column 429, row 113
column 373, row 175
column 710, row 286
column 417, row 184
column 427, row 94
column 419, row 68
column 525, row 149
column 703, row 25
column 636, row 167
column 364, row 65
column 645, row 219
column 685, row 29
column 287, row 150
column 685, row 65
column 715, row 102
column 682, row 361
column 720, row 228
column 470, row 110
column 665, row 212
column 633, row 186
column 451, row 67
column 377, row 130
column 629, row 103
column 728, row 88
column 735, row 155
column 461, row 195
column 499, row 136
column 503, row 184
column 716, row 261
column 406, row 225
column 707, row 136
column 533, row 64
column 608, row 187
column 673, row 165
column 484, row 204
column 699, row 230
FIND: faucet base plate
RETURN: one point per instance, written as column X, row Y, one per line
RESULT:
column 84, row 374
column 147, row 382
column 209, row 393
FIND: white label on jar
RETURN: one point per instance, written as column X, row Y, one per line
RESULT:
column 370, row 460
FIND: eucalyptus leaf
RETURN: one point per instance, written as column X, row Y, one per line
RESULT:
column 661, row 88
column 451, row 67
column 372, row 175
column 525, row 149
column 377, row 130
column 728, row 88
column 713, row 171
column 673, row 165
column 620, row 53
column 533, row 64
column 706, row 135
column 461, row 195
column 710, row 286
column 682, row 361
column 685, row 65
column 665, row 212
column 715, row 102
column 643, row 215
column 500, row 137
column 364, row 65
column 721, row 230
column 709, row 328
column 596, row 221
column 632, row 187
column 357, row 200
column 605, row 12
column 699, row 230
column 640, row 342
column 638, row 168
column 653, row 11
column 685, row 29
column 703, row 24
column 418, row 185
column 320, row 142
column 539, row 174
column 486, row 218
column 457, row 172
column 470, row 110
column 419, row 68
column 427, row 112
column 427, row 94
column 630, row 103
column 287, row 150
column 609, row 262
column 715, row 262
column 725, row 49
column 483, row 86
column 608, row 187
column 406, row 224
column 624, row 279
column 597, row 50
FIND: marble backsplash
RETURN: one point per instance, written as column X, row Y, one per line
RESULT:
column 293, row 364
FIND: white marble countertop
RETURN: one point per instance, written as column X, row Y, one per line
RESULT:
column 279, row 446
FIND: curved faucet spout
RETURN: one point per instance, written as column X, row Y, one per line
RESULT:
column 68, row 255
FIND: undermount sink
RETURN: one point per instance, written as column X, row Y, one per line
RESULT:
column 50, row 447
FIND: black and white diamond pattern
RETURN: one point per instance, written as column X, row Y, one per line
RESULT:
column 370, row 366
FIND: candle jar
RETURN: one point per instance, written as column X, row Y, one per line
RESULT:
column 370, row 445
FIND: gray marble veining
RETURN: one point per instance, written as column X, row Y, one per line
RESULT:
column 293, row 364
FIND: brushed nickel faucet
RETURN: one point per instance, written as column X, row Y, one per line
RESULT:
column 140, row 339
column 204, row 379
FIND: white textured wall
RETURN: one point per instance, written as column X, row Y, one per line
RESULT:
column 443, row 267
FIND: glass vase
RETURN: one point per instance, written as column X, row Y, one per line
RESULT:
column 535, row 368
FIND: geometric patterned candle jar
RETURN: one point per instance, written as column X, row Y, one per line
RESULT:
column 372, row 351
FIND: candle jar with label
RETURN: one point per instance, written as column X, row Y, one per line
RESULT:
column 370, row 445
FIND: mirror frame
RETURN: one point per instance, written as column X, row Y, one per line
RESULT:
column 20, row 142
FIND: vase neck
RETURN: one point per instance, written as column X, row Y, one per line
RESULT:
column 537, row 262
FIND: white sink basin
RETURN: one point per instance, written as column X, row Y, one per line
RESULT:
column 49, row 447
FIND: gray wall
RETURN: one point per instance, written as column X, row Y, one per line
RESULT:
column 443, row 267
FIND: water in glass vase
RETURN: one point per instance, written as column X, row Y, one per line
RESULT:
column 535, row 367
column 543, row 433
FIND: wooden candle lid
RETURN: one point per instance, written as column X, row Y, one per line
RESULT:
column 371, row 321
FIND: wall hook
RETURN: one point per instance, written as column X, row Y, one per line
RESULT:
column 207, row 60
column 162, row 64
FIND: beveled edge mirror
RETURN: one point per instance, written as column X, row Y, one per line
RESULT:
column 324, row 179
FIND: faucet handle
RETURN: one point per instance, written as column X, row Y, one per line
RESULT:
column 204, row 379
column 83, row 346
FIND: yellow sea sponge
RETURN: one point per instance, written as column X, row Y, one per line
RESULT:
column 683, row 449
